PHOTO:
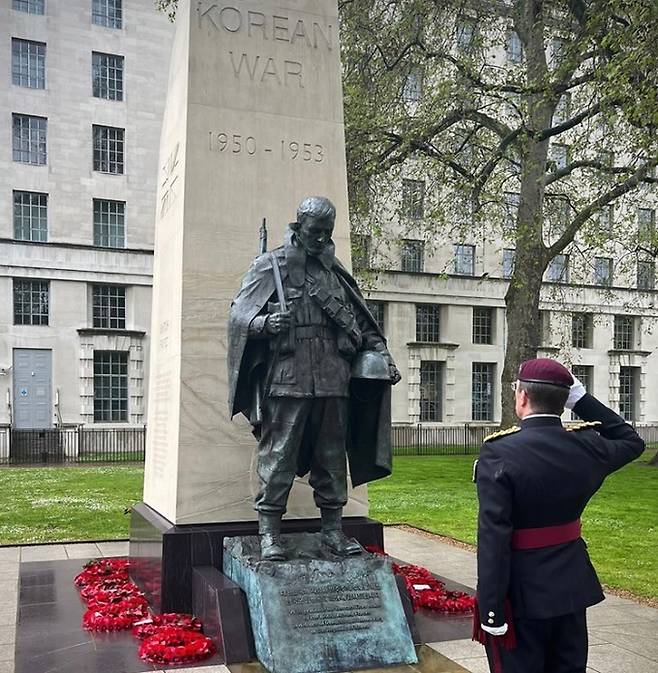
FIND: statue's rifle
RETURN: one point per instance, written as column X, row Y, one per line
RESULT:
column 283, row 307
column 257, row 413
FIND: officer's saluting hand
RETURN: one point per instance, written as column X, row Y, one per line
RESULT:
column 535, row 579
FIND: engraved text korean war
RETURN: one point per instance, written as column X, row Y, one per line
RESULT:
column 265, row 30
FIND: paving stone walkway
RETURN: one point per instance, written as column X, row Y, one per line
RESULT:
column 622, row 632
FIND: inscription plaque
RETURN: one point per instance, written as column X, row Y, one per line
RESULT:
column 317, row 611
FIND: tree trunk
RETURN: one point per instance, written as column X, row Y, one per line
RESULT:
column 522, row 298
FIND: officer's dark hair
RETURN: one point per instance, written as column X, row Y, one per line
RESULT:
column 545, row 398
column 318, row 207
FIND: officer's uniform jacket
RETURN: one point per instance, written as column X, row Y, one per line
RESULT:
column 544, row 475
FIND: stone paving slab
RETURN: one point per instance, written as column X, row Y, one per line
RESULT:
column 610, row 658
column 49, row 552
column 83, row 550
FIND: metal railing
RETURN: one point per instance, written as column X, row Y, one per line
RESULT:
column 85, row 444
column 428, row 440
column 72, row 444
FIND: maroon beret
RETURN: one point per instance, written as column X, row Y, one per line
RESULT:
column 545, row 370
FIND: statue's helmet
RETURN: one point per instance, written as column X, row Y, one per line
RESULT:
column 371, row 365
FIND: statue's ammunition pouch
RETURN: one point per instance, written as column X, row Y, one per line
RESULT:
column 340, row 314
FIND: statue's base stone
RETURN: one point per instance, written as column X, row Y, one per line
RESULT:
column 318, row 612
column 163, row 555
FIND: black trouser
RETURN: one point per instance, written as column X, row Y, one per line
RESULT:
column 557, row 645
column 287, row 421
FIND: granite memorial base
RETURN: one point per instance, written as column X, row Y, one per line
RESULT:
column 318, row 612
column 163, row 555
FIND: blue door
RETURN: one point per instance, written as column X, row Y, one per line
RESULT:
column 32, row 399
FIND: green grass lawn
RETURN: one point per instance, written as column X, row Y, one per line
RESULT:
column 620, row 524
column 46, row 504
column 431, row 492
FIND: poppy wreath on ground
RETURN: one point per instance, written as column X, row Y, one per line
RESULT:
column 154, row 624
column 128, row 602
column 112, row 584
column 113, row 617
column 103, row 596
column 426, row 591
column 172, row 645
column 103, row 569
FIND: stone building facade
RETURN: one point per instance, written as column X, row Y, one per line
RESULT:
column 84, row 84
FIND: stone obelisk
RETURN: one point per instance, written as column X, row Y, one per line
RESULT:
column 253, row 123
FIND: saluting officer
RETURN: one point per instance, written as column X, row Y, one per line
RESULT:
column 535, row 578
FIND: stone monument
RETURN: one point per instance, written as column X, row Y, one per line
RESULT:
column 253, row 123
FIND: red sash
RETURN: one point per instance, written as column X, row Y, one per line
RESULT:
column 537, row 538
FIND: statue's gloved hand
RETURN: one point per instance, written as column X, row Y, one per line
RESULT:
column 394, row 374
column 278, row 322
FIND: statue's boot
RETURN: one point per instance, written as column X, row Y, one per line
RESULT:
column 269, row 528
column 333, row 536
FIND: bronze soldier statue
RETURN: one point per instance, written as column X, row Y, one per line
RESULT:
column 309, row 367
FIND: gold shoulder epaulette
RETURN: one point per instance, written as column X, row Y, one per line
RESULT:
column 502, row 433
column 583, row 425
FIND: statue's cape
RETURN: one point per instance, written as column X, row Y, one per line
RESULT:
column 369, row 432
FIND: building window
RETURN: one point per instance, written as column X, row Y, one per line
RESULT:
column 427, row 322
column 107, row 76
column 628, row 383
column 30, row 216
column 581, row 330
column 607, row 159
column 556, row 214
column 28, row 63
column 558, row 46
column 585, row 374
column 465, row 34
column 411, row 255
column 646, row 275
column 377, row 309
column 31, row 302
column 482, row 391
column 511, row 205
column 109, row 223
column 109, row 306
column 361, row 245
column 465, row 260
column 110, row 386
column 607, row 219
column 412, row 90
column 513, row 47
column 413, row 198
column 508, row 262
column 624, row 335
column 482, row 325
column 558, row 155
column 29, row 6
column 29, row 139
column 108, row 149
column 430, row 391
column 603, row 271
column 562, row 110
column 646, row 224
column 558, row 269
column 106, row 13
